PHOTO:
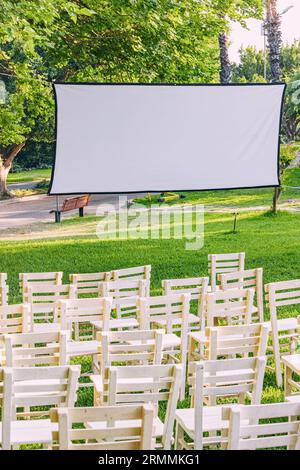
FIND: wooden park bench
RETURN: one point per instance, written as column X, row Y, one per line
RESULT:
column 71, row 204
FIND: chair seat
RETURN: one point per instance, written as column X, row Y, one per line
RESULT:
column 293, row 399
column 170, row 340
column 117, row 323
column 82, row 348
column 212, row 419
column 36, row 431
column 44, row 327
column 158, row 425
column 98, row 381
column 284, row 324
column 192, row 318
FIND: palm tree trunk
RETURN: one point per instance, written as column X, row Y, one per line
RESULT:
column 225, row 67
column 273, row 27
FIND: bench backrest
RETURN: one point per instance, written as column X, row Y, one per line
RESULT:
column 75, row 203
column 43, row 299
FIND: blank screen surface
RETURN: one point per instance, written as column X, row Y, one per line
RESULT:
column 143, row 138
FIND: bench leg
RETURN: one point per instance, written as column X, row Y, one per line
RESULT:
column 57, row 217
column 81, row 212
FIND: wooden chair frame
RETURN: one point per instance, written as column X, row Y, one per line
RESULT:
column 229, row 342
column 280, row 426
column 250, row 278
column 146, row 384
column 88, row 283
column 14, row 319
column 171, row 313
column 51, row 278
column 197, row 287
column 284, row 332
column 28, row 387
column 210, row 380
column 224, row 263
column 44, row 303
column 3, row 289
column 135, row 273
column 127, row 427
column 234, row 306
column 36, row 349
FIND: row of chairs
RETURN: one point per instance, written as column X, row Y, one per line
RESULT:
column 120, row 422
column 46, row 305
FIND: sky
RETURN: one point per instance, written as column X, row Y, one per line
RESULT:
column 290, row 29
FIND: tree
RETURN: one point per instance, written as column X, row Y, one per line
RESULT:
column 25, row 31
column 234, row 10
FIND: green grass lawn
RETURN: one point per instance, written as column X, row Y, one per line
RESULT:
column 28, row 176
column 271, row 242
column 239, row 198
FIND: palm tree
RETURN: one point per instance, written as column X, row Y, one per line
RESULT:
column 274, row 40
column 273, row 30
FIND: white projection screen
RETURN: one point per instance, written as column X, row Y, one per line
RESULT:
column 117, row 138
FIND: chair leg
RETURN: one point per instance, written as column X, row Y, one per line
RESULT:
column 276, row 350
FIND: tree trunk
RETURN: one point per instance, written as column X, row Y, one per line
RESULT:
column 225, row 70
column 6, row 161
column 273, row 27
